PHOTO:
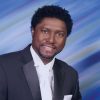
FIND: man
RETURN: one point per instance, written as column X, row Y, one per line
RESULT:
column 34, row 73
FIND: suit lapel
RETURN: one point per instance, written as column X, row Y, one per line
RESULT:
column 58, row 82
column 32, row 79
column 31, row 74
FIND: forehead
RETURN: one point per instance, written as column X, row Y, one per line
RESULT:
column 53, row 23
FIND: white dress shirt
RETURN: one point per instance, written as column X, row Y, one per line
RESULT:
column 45, row 75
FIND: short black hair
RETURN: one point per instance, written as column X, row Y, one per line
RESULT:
column 52, row 11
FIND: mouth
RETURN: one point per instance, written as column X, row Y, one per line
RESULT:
column 47, row 50
column 49, row 46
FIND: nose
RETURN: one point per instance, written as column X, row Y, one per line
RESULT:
column 51, row 38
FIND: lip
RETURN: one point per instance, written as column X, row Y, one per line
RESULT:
column 49, row 46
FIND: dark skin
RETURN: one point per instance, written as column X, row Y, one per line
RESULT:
column 48, row 38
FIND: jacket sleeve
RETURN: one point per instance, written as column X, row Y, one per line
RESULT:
column 77, row 94
column 3, row 85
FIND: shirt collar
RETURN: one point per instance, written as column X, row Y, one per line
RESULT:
column 38, row 62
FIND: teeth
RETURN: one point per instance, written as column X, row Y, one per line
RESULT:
column 48, row 48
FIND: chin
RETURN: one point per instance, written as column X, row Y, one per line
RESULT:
column 47, row 56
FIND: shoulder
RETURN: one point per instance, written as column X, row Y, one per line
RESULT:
column 14, row 55
column 15, row 59
column 10, row 61
column 69, row 70
column 10, row 56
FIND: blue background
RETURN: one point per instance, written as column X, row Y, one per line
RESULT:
column 82, row 49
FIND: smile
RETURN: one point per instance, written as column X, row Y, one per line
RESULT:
column 49, row 47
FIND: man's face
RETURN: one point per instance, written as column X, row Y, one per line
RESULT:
column 48, row 37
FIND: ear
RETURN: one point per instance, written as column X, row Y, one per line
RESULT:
column 32, row 31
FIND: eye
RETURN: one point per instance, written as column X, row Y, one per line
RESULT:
column 60, row 34
column 45, row 31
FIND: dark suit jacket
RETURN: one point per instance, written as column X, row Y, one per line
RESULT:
column 19, row 80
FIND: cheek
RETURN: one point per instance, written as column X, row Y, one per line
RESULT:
column 38, row 41
column 61, row 43
column 36, row 38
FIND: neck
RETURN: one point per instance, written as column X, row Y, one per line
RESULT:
column 46, row 60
